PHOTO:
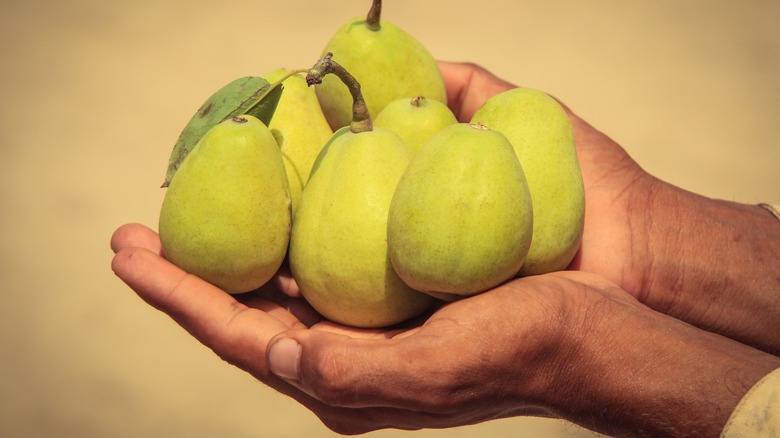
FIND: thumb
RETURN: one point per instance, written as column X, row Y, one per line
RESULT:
column 283, row 357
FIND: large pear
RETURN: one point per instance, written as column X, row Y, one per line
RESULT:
column 226, row 213
column 388, row 62
column 461, row 218
column 338, row 249
column 299, row 127
column 543, row 139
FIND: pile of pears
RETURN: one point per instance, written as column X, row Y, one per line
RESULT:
column 359, row 176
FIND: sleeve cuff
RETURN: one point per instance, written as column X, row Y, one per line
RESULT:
column 772, row 208
column 758, row 413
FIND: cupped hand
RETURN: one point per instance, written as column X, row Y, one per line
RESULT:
column 615, row 186
column 711, row 263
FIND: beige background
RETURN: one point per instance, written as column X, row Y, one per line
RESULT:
column 94, row 93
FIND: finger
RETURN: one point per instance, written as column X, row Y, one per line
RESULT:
column 469, row 86
column 285, row 282
column 135, row 236
column 287, row 313
column 270, row 299
column 353, row 332
column 237, row 333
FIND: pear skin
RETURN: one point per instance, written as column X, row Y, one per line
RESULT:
column 300, row 129
column 461, row 217
column 415, row 120
column 338, row 248
column 542, row 136
column 226, row 214
column 389, row 64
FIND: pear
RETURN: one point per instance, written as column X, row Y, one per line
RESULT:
column 415, row 120
column 461, row 217
column 299, row 127
column 338, row 247
column 388, row 63
column 226, row 214
column 542, row 136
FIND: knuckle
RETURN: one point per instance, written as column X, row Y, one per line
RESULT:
column 331, row 378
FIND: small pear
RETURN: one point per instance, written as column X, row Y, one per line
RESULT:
column 461, row 218
column 542, row 136
column 338, row 248
column 388, row 62
column 226, row 214
column 415, row 120
column 299, row 127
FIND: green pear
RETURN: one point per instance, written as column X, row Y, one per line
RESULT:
column 388, row 62
column 299, row 127
column 461, row 217
column 415, row 120
column 226, row 214
column 542, row 136
column 338, row 248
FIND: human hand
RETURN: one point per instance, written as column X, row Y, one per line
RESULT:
column 551, row 345
column 567, row 345
column 708, row 262
column 615, row 185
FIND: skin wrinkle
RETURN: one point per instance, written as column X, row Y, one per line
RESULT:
column 446, row 399
column 679, row 276
column 568, row 347
column 641, row 222
column 239, row 318
column 329, row 380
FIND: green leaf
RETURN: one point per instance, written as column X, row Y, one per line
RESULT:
column 248, row 95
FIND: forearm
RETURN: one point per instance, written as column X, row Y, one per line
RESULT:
column 636, row 372
column 715, row 264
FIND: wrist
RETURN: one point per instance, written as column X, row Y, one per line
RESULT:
column 713, row 263
column 632, row 370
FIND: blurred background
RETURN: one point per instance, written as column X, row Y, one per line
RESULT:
column 93, row 95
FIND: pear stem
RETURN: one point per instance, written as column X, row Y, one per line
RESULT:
column 374, row 14
column 361, row 119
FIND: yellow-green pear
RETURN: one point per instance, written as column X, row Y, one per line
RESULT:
column 299, row 127
column 542, row 136
column 226, row 214
column 338, row 248
column 415, row 120
column 388, row 62
column 461, row 218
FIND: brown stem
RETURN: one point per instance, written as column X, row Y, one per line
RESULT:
column 361, row 119
column 374, row 14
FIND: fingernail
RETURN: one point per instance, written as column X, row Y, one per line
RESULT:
column 284, row 357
